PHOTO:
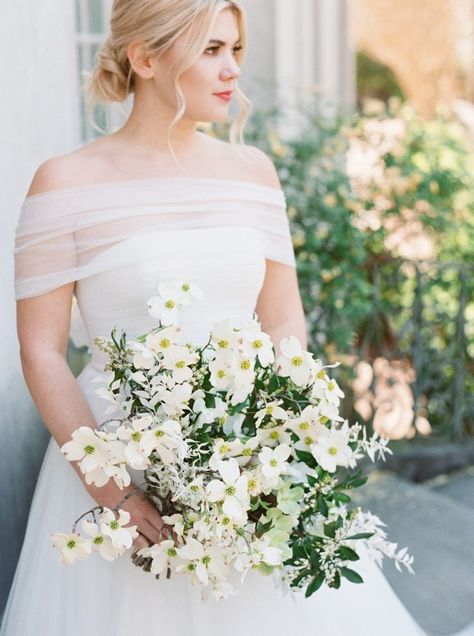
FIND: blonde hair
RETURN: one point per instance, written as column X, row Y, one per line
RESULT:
column 158, row 24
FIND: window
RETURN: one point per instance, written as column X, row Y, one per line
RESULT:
column 92, row 18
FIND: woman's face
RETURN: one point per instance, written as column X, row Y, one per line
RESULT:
column 215, row 71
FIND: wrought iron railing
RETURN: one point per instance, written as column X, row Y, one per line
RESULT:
column 422, row 324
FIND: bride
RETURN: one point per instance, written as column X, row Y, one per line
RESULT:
column 156, row 200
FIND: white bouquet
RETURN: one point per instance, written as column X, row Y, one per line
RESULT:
column 246, row 458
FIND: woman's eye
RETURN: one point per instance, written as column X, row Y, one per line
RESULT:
column 216, row 48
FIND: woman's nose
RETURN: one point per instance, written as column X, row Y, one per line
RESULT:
column 231, row 70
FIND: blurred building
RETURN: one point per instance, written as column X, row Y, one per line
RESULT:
column 428, row 44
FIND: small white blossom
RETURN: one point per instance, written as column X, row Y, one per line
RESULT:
column 71, row 546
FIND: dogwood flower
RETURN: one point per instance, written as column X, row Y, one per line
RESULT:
column 243, row 369
column 221, row 373
column 201, row 560
column 255, row 343
column 273, row 460
column 163, row 555
column 178, row 360
column 161, row 340
column 223, row 336
column 165, row 440
column 100, row 542
column 87, row 448
column 134, row 451
column 273, row 436
column 174, row 401
column 271, row 409
column 143, row 358
column 112, row 527
column 232, row 490
column 165, row 305
column 71, row 546
column 187, row 291
column 295, row 361
column 332, row 450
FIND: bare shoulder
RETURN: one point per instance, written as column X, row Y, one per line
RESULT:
column 256, row 165
column 64, row 171
column 263, row 168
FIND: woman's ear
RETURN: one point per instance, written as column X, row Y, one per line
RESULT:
column 140, row 59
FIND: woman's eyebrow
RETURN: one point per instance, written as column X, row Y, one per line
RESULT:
column 222, row 42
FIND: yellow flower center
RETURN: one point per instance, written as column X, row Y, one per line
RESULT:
column 332, row 450
column 257, row 344
column 245, row 365
column 273, row 462
column 223, row 344
column 165, row 343
column 89, row 449
column 170, row 304
column 220, row 373
column 180, row 364
column 297, row 361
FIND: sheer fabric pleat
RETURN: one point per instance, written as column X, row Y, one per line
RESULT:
column 63, row 236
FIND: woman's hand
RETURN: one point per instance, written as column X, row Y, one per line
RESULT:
column 143, row 512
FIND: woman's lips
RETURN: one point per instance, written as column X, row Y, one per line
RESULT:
column 227, row 96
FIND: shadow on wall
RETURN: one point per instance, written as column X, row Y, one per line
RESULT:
column 24, row 441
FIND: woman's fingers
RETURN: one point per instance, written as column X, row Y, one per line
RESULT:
column 152, row 532
column 139, row 542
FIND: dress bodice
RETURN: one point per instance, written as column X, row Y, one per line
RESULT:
column 118, row 241
column 227, row 263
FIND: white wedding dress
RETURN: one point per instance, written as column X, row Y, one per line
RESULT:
column 119, row 240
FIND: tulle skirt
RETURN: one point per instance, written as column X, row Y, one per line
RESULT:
column 95, row 597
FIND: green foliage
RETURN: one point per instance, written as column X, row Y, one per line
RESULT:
column 375, row 79
column 364, row 293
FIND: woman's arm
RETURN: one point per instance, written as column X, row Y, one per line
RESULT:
column 43, row 324
column 43, row 331
column 279, row 306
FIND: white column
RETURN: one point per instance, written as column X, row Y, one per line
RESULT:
column 38, row 119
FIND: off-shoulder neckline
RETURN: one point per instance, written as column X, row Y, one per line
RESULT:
column 147, row 181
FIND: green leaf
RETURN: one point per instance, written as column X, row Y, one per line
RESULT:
column 361, row 535
column 306, row 457
column 261, row 528
column 322, row 506
column 314, row 584
column 352, row 575
column 330, row 530
column 348, row 553
column 341, row 497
